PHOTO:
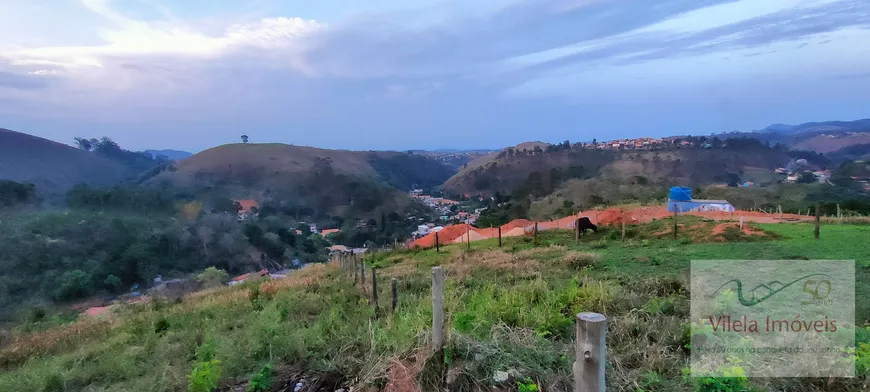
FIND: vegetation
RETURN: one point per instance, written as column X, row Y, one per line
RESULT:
column 510, row 314
column 13, row 193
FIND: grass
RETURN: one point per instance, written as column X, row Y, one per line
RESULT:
column 509, row 311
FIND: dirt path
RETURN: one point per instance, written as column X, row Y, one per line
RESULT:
column 615, row 215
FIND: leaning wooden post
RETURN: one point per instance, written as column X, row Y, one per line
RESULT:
column 375, row 293
column 468, row 238
column 437, row 308
column 362, row 271
column 589, row 348
column 839, row 214
column 394, row 293
column 536, row 234
column 499, row 236
column 437, row 245
column 816, row 230
column 577, row 230
column 675, row 221
column 352, row 262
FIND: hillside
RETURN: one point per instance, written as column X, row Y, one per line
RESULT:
column 327, row 181
column 509, row 320
column 509, row 170
column 53, row 167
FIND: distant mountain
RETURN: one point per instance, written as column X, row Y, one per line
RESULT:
column 823, row 137
column 53, row 167
column 824, row 126
column 174, row 155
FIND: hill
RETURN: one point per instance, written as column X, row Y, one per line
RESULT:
column 823, row 137
column 53, row 167
column 823, row 126
column 174, row 155
column 540, row 171
column 330, row 182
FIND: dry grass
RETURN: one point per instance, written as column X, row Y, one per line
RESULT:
column 464, row 265
column 579, row 260
column 22, row 347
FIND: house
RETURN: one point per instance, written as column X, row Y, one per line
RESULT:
column 793, row 177
column 700, row 205
column 326, row 232
column 247, row 207
column 312, row 227
column 781, row 170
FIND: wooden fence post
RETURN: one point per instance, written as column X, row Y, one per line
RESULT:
column 352, row 262
column 623, row 226
column 394, row 293
column 362, row 271
column 590, row 347
column 731, row 215
column 375, row 293
column 675, row 221
column 816, row 230
column 741, row 223
column 499, row 236
column 437, row 308
column 437, row 245
column 468, row 238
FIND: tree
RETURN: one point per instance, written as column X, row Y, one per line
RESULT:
column 807, row 178
column 212, row 277
column 244, row 138
column 85, row 144
column 594, row 142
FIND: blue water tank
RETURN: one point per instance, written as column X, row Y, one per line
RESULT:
column 679, row 193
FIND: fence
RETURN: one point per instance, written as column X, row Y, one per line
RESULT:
column 590, row 328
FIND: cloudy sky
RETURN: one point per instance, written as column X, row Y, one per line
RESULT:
column 398, row 74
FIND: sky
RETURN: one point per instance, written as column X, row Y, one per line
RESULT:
column 425, row 74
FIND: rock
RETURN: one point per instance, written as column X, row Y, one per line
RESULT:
column 501, row 376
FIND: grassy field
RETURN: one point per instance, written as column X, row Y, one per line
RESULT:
column 509, row 322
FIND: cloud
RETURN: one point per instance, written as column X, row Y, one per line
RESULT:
column 21, row 82
column 493, row 64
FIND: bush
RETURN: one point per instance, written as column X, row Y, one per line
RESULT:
column 212, row 277
column 262, row 380
column 73, row 284
column 205, row 376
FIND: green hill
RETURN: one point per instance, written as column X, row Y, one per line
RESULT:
column 53, row 167
column 323, row 182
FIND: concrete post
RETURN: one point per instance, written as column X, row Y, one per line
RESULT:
column 590, row 348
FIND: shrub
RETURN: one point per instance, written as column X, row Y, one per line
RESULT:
column 205, row 376
column 579, row 260
column 527, row 385
column 53, row 383
column 262, row 380
column 212, row 277
column 73, row 284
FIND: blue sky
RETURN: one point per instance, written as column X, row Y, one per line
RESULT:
column 389, row 74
